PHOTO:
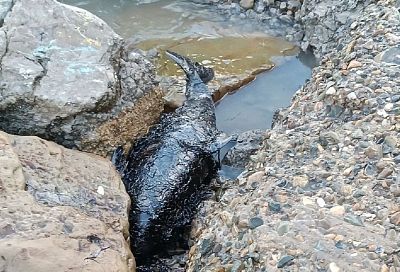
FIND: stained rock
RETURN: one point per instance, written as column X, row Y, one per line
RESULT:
column 67, row 76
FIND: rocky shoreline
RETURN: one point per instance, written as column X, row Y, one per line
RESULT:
column 322, row 194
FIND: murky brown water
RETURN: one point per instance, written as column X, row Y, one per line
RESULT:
column 227, row 55
column 231, row 48
column 190, row 29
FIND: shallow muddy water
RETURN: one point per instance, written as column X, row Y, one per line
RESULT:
column 172, row 19
column 231, row 48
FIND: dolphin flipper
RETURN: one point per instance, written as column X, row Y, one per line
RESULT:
column 221, row 148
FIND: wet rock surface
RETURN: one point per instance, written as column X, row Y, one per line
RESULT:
column 66, row 76
column 61, row 210
column 322, row 192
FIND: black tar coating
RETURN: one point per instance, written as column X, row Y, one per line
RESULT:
column 166, row 172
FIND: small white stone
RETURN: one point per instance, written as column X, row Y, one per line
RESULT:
column 382, row 112
column 321, row 202
column 307, row 201
column 388, row 107
column 354, row 25
column 334, row 268
column 352, row 96
column 331, row 91
column 100, row 190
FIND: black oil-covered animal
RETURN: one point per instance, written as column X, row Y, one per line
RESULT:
column 165, row 172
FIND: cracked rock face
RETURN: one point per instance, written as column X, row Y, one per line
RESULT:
column 60, row 210
column 65, row 75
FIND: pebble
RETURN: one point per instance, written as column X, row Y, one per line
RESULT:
column 321, row 202
column 333, row 267
column 285, row 261
column 391, row 234
column 395, row 190
column 384, row 268
column 100, row 190
column 385, row 173
column 283, row 228
column 307, row 201
column 255, row 222
column 300, row 181
column 246, row 4
column 237, row 266
column 395, row 219
column 352, row 96
column 388, row 107
column 354, row 64
column 274, row 207
column 337, row 210
column 331, row 91
column 354, row 220
column 206, row 246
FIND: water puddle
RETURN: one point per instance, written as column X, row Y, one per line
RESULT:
column 252, row 106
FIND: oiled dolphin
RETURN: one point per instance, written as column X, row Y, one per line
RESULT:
column 165, row 172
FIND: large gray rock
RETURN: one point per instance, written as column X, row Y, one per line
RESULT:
column 67, row 76
column 60, row 209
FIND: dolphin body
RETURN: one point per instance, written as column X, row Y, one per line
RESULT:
column 167, row 171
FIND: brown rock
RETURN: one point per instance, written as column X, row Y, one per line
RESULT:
column 54, row 216
column 385, row 173
column 354, row 64
column 395, row 219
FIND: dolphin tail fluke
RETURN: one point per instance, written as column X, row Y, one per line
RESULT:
column 191, row 69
